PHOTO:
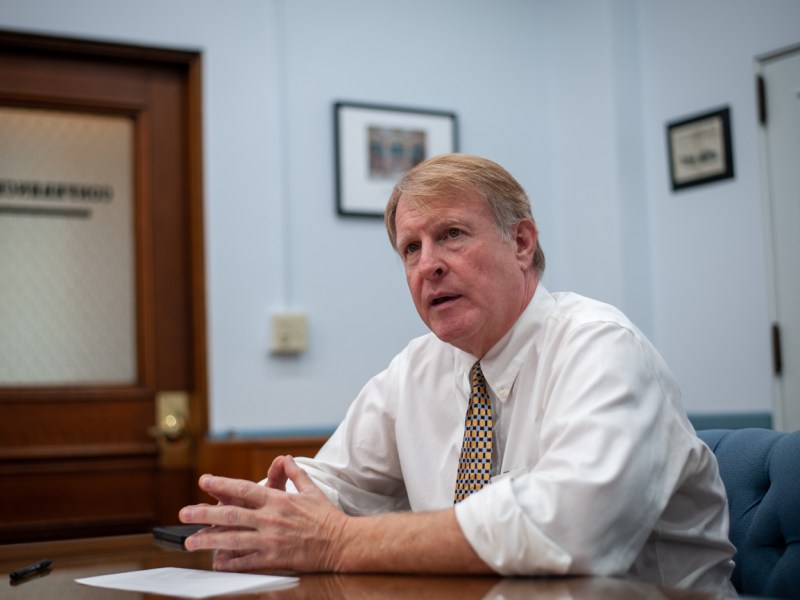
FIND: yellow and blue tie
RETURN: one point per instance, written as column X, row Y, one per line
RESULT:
column 475, row 461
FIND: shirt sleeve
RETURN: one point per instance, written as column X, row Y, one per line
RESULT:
column 612, row 448
column 358, row 467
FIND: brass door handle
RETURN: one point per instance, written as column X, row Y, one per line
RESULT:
column 172, row 412
column 171, row 427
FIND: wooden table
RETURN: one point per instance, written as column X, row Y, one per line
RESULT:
column 98, row 556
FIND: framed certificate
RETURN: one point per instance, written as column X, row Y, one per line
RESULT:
column 700, row 149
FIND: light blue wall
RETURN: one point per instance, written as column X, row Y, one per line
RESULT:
column 570, row 96
column 708, row 244
column 344, row 272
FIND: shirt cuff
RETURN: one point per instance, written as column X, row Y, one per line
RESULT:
column 504, row 537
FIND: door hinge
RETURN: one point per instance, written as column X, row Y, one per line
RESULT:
column 777, row 359
column 761, row 93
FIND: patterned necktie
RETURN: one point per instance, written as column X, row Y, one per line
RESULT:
column 475, row 462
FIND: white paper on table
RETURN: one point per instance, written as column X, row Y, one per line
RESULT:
column 187, row 583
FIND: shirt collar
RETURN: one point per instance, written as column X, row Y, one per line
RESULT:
column 502, row 363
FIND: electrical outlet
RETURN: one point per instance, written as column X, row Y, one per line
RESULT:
column 289, row 333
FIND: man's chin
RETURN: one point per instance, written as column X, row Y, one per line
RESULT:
column 454, row 336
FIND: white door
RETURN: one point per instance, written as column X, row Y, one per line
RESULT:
column 781, row 162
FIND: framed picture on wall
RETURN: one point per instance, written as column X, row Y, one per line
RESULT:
column 376, row 144
column 700, row 149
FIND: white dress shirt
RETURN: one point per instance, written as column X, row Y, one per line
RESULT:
column 596, row 468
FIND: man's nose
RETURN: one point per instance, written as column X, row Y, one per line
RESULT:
column 431, row 261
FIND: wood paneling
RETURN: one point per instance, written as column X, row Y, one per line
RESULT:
column 70, row 422
column 79, row 498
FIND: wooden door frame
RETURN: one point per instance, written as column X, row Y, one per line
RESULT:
column 152, row 318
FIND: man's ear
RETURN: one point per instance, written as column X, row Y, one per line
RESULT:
column 526, row 237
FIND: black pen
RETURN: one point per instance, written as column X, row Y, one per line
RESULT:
column 30, row 569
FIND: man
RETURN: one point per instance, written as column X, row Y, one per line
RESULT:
column 575, row 456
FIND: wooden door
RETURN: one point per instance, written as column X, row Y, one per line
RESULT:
column 79, row 455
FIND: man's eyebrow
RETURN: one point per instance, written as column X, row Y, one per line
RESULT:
column 402, row 241
column 455, row 223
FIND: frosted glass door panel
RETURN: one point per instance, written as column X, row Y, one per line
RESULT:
column 67, row 261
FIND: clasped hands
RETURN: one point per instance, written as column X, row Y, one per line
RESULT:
column 262, row 527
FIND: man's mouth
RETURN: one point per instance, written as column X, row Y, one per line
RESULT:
column 442, row 300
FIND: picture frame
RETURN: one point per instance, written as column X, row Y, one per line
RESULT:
column 376, row 144
column 700, row 149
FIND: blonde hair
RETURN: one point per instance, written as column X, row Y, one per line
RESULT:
column 449, row 173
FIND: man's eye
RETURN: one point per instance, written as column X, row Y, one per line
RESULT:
column 453, row 232
column 411, row 248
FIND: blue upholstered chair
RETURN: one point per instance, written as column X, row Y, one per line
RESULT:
column 761, row 472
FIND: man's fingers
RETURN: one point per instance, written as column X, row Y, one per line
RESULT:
column 221, row 515
column 257, row 527
column 241, row 562
column 276, row 474
column 237, row 497
column 238, row 492
column 225, row 555
column 231, row 540
column 299, row 477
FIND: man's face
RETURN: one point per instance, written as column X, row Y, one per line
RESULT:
column 468, row 284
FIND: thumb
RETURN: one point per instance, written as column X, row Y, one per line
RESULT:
column 298, row 476
column 276, row 474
